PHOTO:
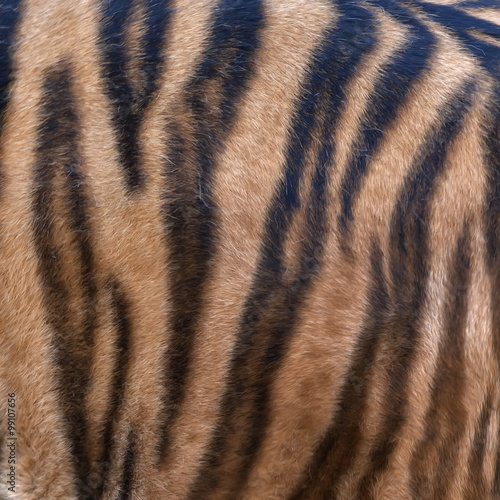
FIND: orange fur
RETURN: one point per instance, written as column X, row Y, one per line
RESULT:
column 365, row 366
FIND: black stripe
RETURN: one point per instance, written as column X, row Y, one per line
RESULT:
column 408, row 262
column 57, row 157
column 120, row 310
column 336, row 452
column 476, row 481
column 479, row 4
column 9, row 16
column 127, row 479
column 463, row 25
column 9, row 19
column 129, row 107
column 389, row 96
column 492, row 214
column 227, row 66
column 446, row 416
column 496, row 479
column 79, row 221
column 281, row 323
column 272, row 308
column 158, row 16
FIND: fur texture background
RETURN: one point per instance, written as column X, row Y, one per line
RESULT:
column 250, row 248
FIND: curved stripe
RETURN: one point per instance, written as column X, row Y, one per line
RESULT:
column 336, row 453
column 479, row 4
column 121, row 320
column 272, row 307
column 57, row 156
column 158, row 16
column 282, row 325
column 409, row 269
column 125, row 490
column 446, row 416
column 338, row 449
column 129, row 108
column 389, row 96
column 496, row 479
column 227, row 65
column 9, row 16
column 492, row 214
column 476, row 478
column 463, row 24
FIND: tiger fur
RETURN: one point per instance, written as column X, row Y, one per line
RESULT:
column 250, row 249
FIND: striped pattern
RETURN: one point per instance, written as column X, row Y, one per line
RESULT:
column 251, row 248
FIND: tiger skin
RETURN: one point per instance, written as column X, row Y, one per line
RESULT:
column 250, row 249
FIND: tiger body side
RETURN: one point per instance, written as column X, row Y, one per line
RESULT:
column 249, row 249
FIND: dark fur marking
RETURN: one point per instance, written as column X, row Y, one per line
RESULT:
column 229, row 62
column 492, row 214
column 158, row 16
column 477, row 482
column 120, row 308
column 396, row 323
column 57, row 156
column 496, row 479
column 408, row 263
column 128, row 107
column 127, row 479
column 479, row 4
column 282, row 322
column 337, row 450
column 9, row 16
column 446, row 416
column 271, row 309
column 390, row 94
column 461, row 23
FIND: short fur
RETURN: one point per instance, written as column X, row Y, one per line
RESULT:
column 250, row 248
